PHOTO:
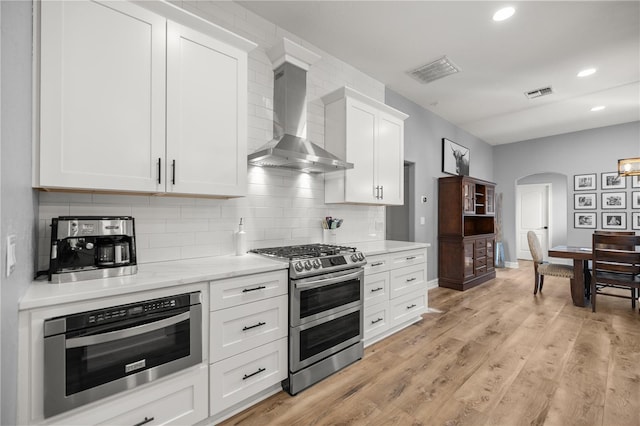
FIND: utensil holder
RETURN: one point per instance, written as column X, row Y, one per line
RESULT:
column 329, row 236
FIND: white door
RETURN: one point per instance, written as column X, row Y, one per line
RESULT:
column 390, row 160
column 361, row 136
column 206, row 114
column 532, row 215
column 102, row 96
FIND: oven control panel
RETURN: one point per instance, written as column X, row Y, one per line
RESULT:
column 318, row 265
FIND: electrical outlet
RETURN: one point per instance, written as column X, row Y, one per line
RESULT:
column 422, row 221
column 423, row 198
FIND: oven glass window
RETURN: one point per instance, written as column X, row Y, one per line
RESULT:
column 92, row 365
column 316, row 300
column 324, row 336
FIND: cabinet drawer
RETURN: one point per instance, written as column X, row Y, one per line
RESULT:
column 481, row 244
column 481, row 269
column 407, row 307
column 241, row 328
column 376, row 320
column 237, row 378
column 376, row 264
column 250, row 288
column 408, row 258
column 480, row 261
column 376, row 288
column 481, row 252
column 406, row 280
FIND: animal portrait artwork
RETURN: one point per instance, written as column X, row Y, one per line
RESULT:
column 455, row 158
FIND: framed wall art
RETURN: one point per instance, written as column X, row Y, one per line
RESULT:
column 635, row 220
column 584, row 201
column 635, row 200
column 584, row 182
column 617, row 220
column 584, row 220
column 635, row 181
column 614, row 200
column 613, row 180
column 455, row 158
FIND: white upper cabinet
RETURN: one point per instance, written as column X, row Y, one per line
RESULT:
column 131, row 100
column 370, row 135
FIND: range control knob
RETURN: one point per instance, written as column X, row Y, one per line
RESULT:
column 354, row 257
column 307, row 265
column 298, row 267
column 316, row 263
column 360, row 256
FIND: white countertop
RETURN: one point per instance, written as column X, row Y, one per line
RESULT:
column 150, row 276
column 371, row 248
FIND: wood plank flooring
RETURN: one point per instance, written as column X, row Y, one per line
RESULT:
column 495, row 355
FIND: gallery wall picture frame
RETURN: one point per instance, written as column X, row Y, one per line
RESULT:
column 611, row 220
column 635, row 200
column 635, row 220
column 614, row 200
column 613, row 180
column 635, row 181
column 584, row 220
column 456, row 158
column 584, row 182
column 585, row 201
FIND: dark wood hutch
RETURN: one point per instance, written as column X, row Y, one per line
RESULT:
column 466, row 232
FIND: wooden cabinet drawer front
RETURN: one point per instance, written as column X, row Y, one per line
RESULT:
column 241, row 328
column 480, row 261
column 375, row 264
column 406, row 280
column 408, row 258
column 481, row 244
column 481, row 269
column 481, row 252
column 250, row 288
column 376, row 288
column 376, row 320
column 237, row 378
column 407, row 307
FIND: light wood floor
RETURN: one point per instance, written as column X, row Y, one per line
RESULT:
column 496, row 355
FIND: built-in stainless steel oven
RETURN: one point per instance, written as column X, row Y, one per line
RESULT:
column 90, row 355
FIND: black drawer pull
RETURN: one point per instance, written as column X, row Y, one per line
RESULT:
column 253, row 326
column 145, row 421
column 173, row 172
column 411, row 279
column 159, row 171
column 411, row 257
column 247, row 290
column 375, row 321
column 411, row 306
column 377, row 264
column 260, row 370
column 376, row 289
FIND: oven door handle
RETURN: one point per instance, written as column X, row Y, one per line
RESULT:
column 328, row 280
column 96, row 339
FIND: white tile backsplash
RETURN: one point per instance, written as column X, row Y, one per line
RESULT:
column 282, row 206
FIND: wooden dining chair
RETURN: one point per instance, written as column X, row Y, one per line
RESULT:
column 616, row 265
column 542, row 268
column 587, row 272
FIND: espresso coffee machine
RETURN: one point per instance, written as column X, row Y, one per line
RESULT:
column 90, row 247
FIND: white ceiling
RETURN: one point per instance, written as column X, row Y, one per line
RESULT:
column 544, row 43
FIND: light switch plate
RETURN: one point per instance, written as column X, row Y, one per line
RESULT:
column 11, row 254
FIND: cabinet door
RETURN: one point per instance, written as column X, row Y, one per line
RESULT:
column 361, row 135
column 206, row 114
column 390, row 160
column 490, row 200
column 469, row 197
column 102, row 96
column 469, row 268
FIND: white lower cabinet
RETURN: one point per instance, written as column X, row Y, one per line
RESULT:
column 395, row 292
column 248, row 341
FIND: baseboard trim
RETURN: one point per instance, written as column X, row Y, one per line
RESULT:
column 432, row 284
column 513, row 265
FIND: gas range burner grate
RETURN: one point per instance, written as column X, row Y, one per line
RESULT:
column 304, row 251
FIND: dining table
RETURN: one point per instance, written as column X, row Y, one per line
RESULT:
column 581, row 275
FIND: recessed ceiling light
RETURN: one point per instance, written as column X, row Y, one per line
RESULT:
column 504, row 13
column 586, row 72
column 598, row 108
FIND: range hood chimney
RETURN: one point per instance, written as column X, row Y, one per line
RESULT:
column 290, row 148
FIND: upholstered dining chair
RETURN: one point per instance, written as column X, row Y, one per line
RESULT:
column 541, row 268
column 616, row 265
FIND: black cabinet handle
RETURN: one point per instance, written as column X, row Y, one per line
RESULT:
column 247, row 290
column 382, row 192
column 411, row 257
column 376, row 289
column 377, row 264
column 260, row 370
column 411, row 306
column 254, row 326
column 173, row 172
column 159, row 170
column 145, row 421
column 375, row 321
column 410, row 279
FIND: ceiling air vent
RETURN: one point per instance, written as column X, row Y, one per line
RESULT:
column 432, row 71
column 539, row 92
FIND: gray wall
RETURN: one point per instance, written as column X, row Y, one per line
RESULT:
column 587, row 151
column 423, row 133
column 19, row 205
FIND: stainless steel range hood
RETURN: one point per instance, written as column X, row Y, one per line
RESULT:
column 290, row 148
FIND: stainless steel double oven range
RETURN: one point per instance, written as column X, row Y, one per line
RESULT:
column 326, row 293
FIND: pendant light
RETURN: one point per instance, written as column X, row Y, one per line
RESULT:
column 629, row 167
